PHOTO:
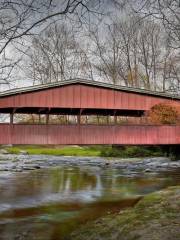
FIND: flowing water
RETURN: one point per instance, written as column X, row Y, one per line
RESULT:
column 47, row 204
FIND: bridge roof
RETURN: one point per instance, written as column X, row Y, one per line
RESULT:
column 90, row 83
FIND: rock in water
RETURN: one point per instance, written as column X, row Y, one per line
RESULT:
column 23, row 152
column 3, row 151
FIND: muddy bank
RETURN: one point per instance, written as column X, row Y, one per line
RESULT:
column 156, row 216
column 19, row 163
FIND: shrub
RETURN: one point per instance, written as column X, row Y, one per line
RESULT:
column 163, row 114
column 130, row 151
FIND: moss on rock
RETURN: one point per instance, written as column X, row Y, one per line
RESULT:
column 155, row 217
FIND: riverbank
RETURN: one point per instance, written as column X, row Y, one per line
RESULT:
column 85, row 151
column 55, row 150
column 156, row 216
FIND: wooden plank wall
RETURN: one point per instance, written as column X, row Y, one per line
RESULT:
column 82, row 96
column 89, row 134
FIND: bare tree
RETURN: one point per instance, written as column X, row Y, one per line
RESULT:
column 112, row 52
column 20, row 19
column 166, row 11
column 129, row 54
column 105, row 54
column 56, row 55
column 150, row 46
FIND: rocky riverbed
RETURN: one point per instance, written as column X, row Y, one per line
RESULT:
column 131, row 166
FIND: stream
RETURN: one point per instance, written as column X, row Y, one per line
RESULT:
column 49, row 203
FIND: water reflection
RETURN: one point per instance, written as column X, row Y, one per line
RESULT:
column 48, row 203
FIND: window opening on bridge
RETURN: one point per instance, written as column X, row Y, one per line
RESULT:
column 73, row 119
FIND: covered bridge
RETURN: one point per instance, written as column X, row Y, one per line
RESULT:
column 85, row 98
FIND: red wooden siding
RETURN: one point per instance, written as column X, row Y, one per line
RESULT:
column 82, row 96
column 89, row 134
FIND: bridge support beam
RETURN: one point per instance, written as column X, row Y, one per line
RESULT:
column 115, row 117
column 79, row 117
column 11, row 118
column 47, row 118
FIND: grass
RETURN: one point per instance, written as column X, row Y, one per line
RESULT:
column 94, row 151
column 65, row 151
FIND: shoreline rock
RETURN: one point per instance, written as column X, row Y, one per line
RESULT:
column 12, row 162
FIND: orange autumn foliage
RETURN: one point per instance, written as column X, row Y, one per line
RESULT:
column 163, row 114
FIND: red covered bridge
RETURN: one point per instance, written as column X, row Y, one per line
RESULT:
column 81, row 98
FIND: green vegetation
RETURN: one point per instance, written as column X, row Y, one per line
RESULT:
column 63, row 151
column 131, row 151
column 172, row 151
column 156, row 216
column 94, row 151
